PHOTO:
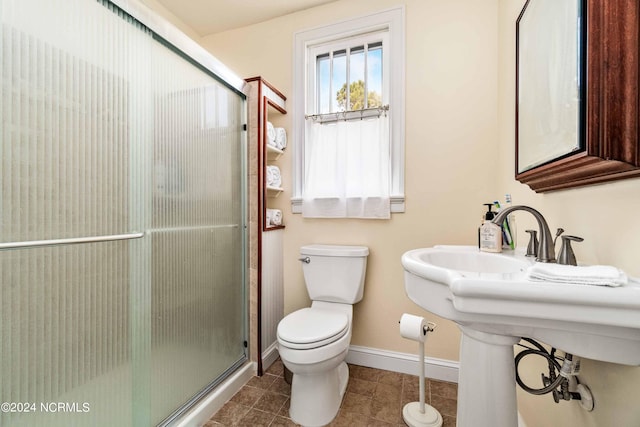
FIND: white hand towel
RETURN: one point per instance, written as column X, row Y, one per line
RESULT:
column 274, row 179
column 281, row 138
column 598, row 275
column 271, row 135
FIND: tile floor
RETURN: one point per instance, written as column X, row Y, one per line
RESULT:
column 374, row 398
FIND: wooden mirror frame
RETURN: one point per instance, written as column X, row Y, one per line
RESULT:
column 612, row 128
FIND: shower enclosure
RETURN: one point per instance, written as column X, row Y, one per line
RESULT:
column 122, row 217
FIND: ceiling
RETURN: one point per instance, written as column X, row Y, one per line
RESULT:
column 213, row 16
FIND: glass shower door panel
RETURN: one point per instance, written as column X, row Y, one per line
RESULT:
column 65, row 336
column 197, row 262
column 65, row 318
column 104, row 131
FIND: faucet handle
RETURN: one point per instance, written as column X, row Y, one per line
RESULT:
column 532, row 247
column 566, row 252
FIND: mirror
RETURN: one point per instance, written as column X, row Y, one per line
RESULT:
column 577, row 97
column 550, row 82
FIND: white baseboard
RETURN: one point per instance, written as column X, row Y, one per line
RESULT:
column 437, row 369
column 218, row 397
column 269, row 356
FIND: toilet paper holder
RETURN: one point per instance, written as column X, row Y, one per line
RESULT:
column 419, row 414
column 429, row 327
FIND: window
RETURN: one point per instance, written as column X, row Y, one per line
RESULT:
column 344, row 73
column 351, row 70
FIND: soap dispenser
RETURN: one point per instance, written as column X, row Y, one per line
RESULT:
column 489, row 234
column 489, row 214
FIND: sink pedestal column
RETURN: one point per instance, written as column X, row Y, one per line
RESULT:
column 486, row 380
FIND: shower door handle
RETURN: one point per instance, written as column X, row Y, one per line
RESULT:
column 306, row 260
column 69, row 241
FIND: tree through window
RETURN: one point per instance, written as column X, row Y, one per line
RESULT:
column 349, row 78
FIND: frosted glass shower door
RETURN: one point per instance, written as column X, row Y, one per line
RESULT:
column 197, row 297
column 65, row 177
column 122, row 218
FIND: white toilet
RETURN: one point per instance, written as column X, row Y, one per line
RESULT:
column 313, row 342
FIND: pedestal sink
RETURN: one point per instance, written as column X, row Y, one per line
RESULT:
column 488, row 296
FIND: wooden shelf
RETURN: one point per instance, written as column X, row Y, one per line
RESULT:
column 266, row 103
column 273, row 153
column 274, row 227
column 273, row 191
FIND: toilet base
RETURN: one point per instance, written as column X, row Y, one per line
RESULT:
column 315, row 399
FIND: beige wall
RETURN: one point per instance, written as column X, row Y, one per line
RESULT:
column 607, row 217
column 157, row 7
column 451, row 136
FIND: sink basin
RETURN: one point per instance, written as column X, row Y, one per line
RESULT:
column 494, row 304
column 490, row 293
column 466, row 261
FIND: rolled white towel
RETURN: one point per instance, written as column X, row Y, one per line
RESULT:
column 274, row 179
column 598, row 275
column 274, row 217
column 269, row 174
column 271, row 135
column 281, row 138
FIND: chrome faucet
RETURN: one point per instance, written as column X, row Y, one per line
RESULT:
column 546, row 250
column 566, row 251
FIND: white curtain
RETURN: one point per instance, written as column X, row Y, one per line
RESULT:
column 347, row 169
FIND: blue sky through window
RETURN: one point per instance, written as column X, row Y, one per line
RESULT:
column 327, row 93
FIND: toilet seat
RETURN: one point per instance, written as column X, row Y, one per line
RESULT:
column 310, row 328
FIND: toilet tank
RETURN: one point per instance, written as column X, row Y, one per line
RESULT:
column 334, row 273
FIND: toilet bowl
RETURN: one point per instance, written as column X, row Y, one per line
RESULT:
column 320, row 374
column 313, row 342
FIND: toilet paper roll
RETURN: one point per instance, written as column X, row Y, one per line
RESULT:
column 413, row 327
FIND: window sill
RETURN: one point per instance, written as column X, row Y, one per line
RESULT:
column 397, row 204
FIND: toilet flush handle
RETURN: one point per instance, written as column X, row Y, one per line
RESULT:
column 306, row 260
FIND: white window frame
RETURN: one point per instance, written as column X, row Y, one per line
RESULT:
column 391, row 21
column 346, row 45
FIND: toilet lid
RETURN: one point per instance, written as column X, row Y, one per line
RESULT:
column 312, row 327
